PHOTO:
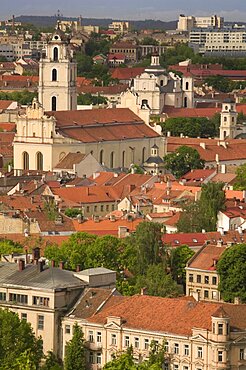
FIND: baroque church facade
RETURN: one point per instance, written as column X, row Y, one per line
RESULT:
column 51, row 127
column 156, row 88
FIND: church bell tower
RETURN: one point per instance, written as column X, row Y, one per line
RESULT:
column 57, row 75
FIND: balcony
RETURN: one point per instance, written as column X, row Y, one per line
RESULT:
column 93, row 346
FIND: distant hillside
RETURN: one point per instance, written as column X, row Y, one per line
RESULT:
column 45, row 21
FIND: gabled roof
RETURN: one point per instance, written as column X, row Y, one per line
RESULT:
column 136, row 312
column 207, row 257
column 70, row 160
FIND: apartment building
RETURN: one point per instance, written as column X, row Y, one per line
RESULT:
column 202, row 279
column 187, row 23
column 218, row 42
column 197, row 335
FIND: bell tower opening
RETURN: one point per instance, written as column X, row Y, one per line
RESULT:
column 55, row 54
column 53, row 103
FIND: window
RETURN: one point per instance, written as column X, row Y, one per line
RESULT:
column 18, row 298
column 185, row 367
column 53, row 103
column 123, row 159
column 191, row 278
column 55, row 54
column 175, row 367
column 214, row 294
column 67, row 329
column 101, row 157
column 24, row 316
column 127, row 341
column 99, row 337
column 214, row 280
column 113, row 339
column 166, row 366
column 102, row 208
column 54, row 74
column 146, row 344
column 198, row 279
column 206, row 279
column 225, row 119
column 199, row 352
column 176, row 348
column 112, row 160
column 187, row 86
column 166, row 347
column 40, row 301
column 2, row 296
column 220, row 356
column 186, row 350
column 241, row 354
column 220, row 329
column 185, row 102
column 91, row 358
column 91, row 336
column 206, row 294
column 99, row 358
column 136, row 342
column 40, row 322
column 25, row 160
column 95, row 208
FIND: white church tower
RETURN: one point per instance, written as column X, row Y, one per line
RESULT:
column 228, row 120
column 57, row 75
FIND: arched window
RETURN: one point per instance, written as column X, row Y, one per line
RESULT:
column 185, row 102
column 25, row 160
column 39, row 161
column 143, row 154
column 187, row 86
column 54, row 74
column 162, row 83
column 101, row 157
column 53, row 103
column 123, row 159
column 112, row 160
column 55, row 54
column 225, row 119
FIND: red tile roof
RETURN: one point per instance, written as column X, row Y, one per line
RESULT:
column 70, row 160
column 207, row 257
column 137, row 312
column 4, row 104
column 91, row 194
column 102, row 90
column 127, row 73
column 198, row 112
column 90, row 126
column 190, row 239
column 235, row 149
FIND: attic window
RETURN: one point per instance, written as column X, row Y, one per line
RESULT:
column 195, row 240
column 176, row 241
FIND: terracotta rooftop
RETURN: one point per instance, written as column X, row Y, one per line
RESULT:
column 103, row 90
column 207, row 257
column 136, row 312
column 69, row 160
column 127, row 73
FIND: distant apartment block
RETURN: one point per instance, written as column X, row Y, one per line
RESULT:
column 119, row 27
column 187, row 23
column 218, row 42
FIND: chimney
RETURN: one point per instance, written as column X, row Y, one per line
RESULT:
column 61, row 265
column 21, row 265
column 35, row 255
column 53, row 264
column 143, row 291
column 40, row 266
column 78, row 268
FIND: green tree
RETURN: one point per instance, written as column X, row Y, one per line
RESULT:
column 157, row 282
column 122, row 361
column 232, row 273
column 75, row 352
column 8, row 246
column 183, row 160
column 211, row 202
column 240, row 183
column 18, row 344
column 148, row 41
column 51, row 362
column 148, row 243
column 178, row 259
column 105, row 251
column 190, row 220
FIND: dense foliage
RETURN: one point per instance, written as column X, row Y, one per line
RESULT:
column 240, row 183
column 8, row 246
column 75, row 352
column 232, row 273
column 183, row 160
column 88, row 99
column 192, row 127
column 23, row 97
column 18, row 344
column 202, row 214
column 125, row 361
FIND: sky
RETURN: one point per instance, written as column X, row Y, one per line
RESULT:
column 165, row 10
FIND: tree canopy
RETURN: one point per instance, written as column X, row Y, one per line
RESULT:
column 183, row 160
column 18, row 344
column 240, row 183
column 75, row 352
column 203, row 213
column 232, row 273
